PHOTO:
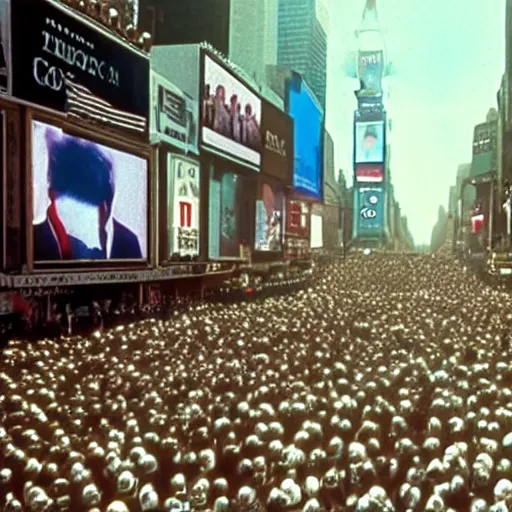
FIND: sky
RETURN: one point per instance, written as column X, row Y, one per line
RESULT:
column 449, row 58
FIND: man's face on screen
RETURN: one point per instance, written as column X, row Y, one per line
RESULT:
column 369, row 142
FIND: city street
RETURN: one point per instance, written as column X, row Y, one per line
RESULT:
column 385, row 386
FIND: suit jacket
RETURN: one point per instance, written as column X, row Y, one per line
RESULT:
column 125, row 245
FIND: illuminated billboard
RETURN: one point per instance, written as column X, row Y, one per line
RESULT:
column 369, row 142
column 370, row 211
column 370, row 67
column 369, row 173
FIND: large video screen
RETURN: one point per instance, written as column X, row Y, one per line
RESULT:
column 183, row 197
column 308, row 134
column 231, row 197
column 269, row 219
column 369, row 142
column 89, row 200
column 230, row 114
column 371, row 211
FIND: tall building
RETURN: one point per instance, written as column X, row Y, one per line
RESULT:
column 247, row 37
column 270, row 32
column 243, row 30
column 302, row 42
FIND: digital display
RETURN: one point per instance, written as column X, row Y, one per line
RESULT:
column 371, row 211
column 230, row 114
column 317, row 232
column 297, row 218
column 308, row 133
column 369, row 142
column 370, row 70
column 369, row 173
column 183, row 200
column 269, row 220
column 229, row 213
column 89, row 200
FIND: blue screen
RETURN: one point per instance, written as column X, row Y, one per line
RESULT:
column 307, row 132
column 370, row 211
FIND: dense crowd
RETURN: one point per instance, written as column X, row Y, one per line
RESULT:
column 386, row 386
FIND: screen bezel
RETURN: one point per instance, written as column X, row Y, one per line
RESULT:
column 214, row 149
column 99, row 136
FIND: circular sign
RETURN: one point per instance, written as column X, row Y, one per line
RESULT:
column 368, row 213
column 373, row 199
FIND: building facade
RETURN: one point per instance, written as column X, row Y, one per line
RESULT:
column 302, row 42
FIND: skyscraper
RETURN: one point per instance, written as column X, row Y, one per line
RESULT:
column 302, row 42
column 246, row 37
column 245, row 31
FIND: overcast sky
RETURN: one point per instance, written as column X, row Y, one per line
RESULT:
column 449, row 57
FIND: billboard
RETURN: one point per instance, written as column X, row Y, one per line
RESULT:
column 369, row 173
column 90, row 202
column 369, row 142
column 277, row 137
column 269, row 219
column 370, row 210
column 174, row 115
column 370, row 67
column 317, row 232
column 230, row 114
column 230, row 210
column 62, row 45
column 297, row 218
column 183, row 187
column 308, row 134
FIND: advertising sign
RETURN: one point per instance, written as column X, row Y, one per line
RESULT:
column 51, row 43
column 5, row 44
column 308, row 134
column 369, row 142
column 370, row 67
column 230, row 208
column 230, row 114
column 269, row 219
column 90, row 202
column 174, row 115
column 297, row 218
column 317, row 232
column 369, row 173
column 183, row 205
column 371, row 211
column 277, row 137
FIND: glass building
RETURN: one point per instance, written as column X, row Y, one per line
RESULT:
column 302, row 42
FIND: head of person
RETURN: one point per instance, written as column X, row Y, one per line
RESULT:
column 79, row 170
column 207, row 90
column 370, row 138
column 248, row 110
column 220, row 93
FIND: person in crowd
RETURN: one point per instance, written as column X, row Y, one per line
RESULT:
column 251, row 135
column 222, row 119
column 385, row 385
column 235, row 111
column 208, row 109
column 79, row 224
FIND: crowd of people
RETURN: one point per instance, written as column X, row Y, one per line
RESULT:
column 385, row 386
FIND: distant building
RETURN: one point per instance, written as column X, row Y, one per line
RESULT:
column 302, row 42
column 331, row 192
column 242, row 30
